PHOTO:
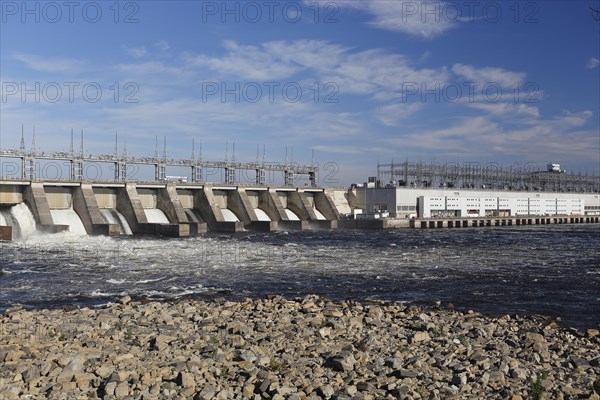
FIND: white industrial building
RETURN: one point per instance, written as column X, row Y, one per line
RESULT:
column 448, row 203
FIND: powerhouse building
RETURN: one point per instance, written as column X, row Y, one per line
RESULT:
column 402, row 202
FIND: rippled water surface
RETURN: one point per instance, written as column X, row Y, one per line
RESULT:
column 553, row 270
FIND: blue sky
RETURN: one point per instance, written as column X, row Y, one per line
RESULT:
column 353, row 81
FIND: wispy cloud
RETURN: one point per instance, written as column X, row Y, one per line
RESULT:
column 528, row 138
column 372, row 72
column 424, row 18
column 136, row 52
column 145, row 68
column 162, row 45
column 593, row 63
column 262, row 62
column 487, row 75
column 49, row 64
column 392, row 114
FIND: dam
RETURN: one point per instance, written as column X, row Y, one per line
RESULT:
column 159, row 208
column 175, row 206
column 166, row 205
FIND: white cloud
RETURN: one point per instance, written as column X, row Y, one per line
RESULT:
column 150, row 67
column 488, row 75
column 247, row 62
column 372, row 72
column 507, row 109
column 49, row 64
column 593, row 63
column 391, row 114
column 136, row 52
column 162, row 45
column 534, row 139
column 425, row 18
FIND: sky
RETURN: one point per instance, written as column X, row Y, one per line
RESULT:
column 344, row 84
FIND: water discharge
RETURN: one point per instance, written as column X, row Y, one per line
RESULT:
column 261, row 215
column 20, row 218
column 291, row 215
column 68, row 217
column 156, row 216
column 112, row 216
column 191, row 216
column 228, row 215
column 320, row 216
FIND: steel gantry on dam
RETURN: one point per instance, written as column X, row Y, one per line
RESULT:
column 291, row 171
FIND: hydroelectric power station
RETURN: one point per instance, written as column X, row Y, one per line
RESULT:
column 171, row 206
column 416, row 195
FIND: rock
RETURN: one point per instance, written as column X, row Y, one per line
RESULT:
column 343, row 361
column 519, row 373
column 459, row 380
column 70, row 370
column 496, row 380
column 187, row 380
column 125, row 300
column 110, row 387
column 325, row 332
column 30, row 373
column 351, row 390
column 104, row 370
column 9, row 393
column 579, row 361
column 247, row 355
column 289, row 349
column 531, row 338
column 420, row 337
column 13, row 355
column 248, row 390
column 326, row 391
column 207, row 393
column 121, row 390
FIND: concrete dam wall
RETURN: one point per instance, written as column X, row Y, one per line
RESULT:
column 170, row 209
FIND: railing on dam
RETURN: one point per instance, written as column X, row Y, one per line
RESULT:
column 28, row 171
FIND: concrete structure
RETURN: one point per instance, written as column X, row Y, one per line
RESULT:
column 183, row 209
column 501, row 221
column 446, row 203
column 491, row 176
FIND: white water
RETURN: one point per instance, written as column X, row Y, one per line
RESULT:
column 261, row 215
column 68, row 217
column 156, row 216
column 320, row 216
column 20, row 218
column 228, row 215
column 193, row 216
column 112, row 216
column 291, row 215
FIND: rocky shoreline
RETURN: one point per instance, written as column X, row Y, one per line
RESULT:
column 276, row 348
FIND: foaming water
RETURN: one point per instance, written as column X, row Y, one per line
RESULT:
column 156, row 216
column 228, row 215
column 550, row 270
column 319, row 215
column 68, row 217
column 112, row 216
column 291, row 215
column 20, row 218
column 261, row 215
